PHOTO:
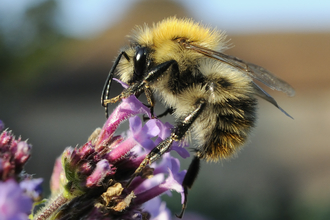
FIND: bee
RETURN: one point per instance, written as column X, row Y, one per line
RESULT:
column 211, row 95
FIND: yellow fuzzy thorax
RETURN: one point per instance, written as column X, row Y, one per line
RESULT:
column 161, row 36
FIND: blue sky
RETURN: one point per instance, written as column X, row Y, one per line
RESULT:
column 82, row 18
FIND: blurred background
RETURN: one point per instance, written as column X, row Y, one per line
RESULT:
column 55, row 57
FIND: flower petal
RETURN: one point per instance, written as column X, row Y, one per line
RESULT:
column 173, row 182
column 13, row 203
column 127, row 108
column 157, row 209
column 32, row 187
column 103, row 168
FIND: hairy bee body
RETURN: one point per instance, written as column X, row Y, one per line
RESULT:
column 230, row 108
column 211, row 95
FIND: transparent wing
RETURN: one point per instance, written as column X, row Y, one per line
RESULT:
column 252, row 70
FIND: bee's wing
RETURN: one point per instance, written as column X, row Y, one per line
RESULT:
column 263, row 94
column 254, row 71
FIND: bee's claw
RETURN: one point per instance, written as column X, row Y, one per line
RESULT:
column 143, row 164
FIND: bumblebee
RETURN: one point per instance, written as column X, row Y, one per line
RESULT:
column 211, row 95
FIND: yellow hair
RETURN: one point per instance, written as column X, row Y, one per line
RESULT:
column 162, row 35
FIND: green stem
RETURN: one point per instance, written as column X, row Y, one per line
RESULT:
column 51, row 207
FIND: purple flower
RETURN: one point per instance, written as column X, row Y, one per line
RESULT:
column 93, row 178
column 153, row 128
column 14, row 204
column 32, row 188
column 18, row 190
column 101, row 171
column 13, row 155
column 157, row 209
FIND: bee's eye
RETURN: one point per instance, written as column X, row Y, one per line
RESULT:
column 140, row 61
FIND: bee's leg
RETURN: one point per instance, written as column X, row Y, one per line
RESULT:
column 137, row 88
column 152, row 75
column 178, row 133
column 166, row 112
column 151, row 100
column 107, row 85
column 158, row 70
column 188, row 181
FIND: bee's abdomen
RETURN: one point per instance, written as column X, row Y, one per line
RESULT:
column 233, row 122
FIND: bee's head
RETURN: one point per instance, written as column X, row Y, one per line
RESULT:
column 140, row 64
